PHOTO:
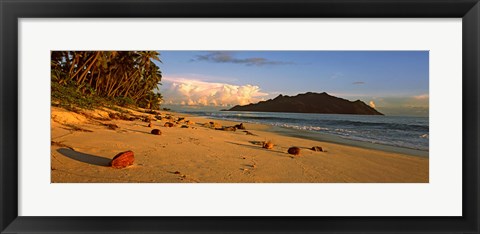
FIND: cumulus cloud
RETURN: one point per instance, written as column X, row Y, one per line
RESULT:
column 358, row 83
column 372, row 104
column 227, row 57
column 201, row 93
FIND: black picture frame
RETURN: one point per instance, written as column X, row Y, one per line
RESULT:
column 11, row 11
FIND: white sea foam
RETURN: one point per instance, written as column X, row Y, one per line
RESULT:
column 406, row 132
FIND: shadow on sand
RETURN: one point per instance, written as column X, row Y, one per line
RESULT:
column 85, row 158
column 133, row 130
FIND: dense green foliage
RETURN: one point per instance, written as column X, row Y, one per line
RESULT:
column 122, row 77
column 69, row 98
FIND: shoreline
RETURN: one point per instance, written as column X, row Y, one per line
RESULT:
column 82, row 148
column 343, row 141
column 325, row 137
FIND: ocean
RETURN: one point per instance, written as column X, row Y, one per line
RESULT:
column 398, row 131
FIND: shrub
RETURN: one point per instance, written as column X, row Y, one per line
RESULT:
column 69, row 97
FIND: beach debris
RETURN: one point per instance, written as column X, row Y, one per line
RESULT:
column 240, row 126
column 267, row 145
column 113, row 116
column 294, row 150
column 132, row 118
column 111, row 126
column 182, row 177
column 169, row 125
column 156, row 132
column 124, row 116
column 127, row 117
column 122, row 160
column 232, row 129
column 159, row 117
column 317, row 149
column 147, row 119
column 152, row 112
column 249, row 133
column 184, row 126
column 212, row 124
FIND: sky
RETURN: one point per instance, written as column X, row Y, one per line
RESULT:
column 393, row 82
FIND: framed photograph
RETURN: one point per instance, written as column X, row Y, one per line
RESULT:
column 228, row 116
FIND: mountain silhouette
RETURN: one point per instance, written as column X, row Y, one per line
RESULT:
column 310, row 103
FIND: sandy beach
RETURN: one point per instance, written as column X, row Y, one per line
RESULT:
column 83, row 145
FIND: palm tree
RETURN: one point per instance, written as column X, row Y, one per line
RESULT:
column 128, row 74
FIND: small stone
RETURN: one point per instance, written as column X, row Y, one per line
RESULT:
column 177, row 173
column 240, row 126
column 158, row 117
column 317, row 149
column 184, row 126
column 122, row 160
column 268, row 145
column 156, row 132
column 294, row 150
column 169, row 125
column 150, row 125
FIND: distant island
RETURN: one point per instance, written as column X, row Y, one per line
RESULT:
column 310, row 102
